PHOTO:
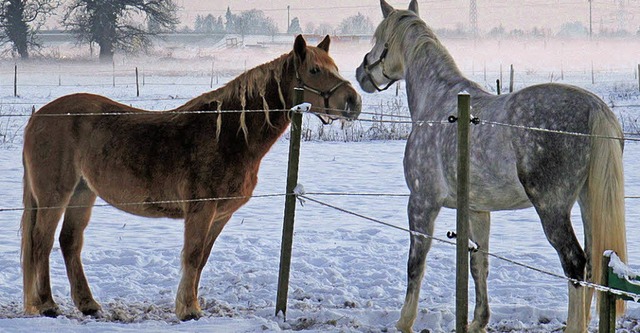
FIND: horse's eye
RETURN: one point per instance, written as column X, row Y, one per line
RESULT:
column 314, row 70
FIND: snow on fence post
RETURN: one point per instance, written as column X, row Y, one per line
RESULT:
column 607, row 306
column 462, row 213
column 289, row 206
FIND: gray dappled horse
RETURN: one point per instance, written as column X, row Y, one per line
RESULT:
column 511, row 168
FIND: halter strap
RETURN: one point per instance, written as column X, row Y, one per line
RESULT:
column 380, row 61
column 324, row 94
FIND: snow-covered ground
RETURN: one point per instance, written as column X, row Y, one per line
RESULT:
column 347, row 274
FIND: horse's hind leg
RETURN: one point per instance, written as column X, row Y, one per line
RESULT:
column 76, row 219
column 37, row 288
column 557, row 227
column 422, row 217
column 479, row 225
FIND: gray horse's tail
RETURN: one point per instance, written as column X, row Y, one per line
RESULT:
column 606, row 193
column 26, row 254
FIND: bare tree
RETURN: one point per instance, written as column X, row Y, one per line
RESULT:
column 20, row 20
column 116, row 24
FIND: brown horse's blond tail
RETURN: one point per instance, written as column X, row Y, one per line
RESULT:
column 27, row 224
column 606, row 193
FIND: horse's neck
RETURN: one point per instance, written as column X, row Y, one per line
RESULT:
column 242, row 124
column 432, row 78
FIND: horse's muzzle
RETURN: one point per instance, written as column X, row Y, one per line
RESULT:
column 353, row 107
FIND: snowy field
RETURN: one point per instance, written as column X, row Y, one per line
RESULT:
column 347, row 274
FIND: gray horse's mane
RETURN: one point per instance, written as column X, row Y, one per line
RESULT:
column 397, row 25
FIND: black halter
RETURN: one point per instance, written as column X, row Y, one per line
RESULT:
column 324, row 94
column 367, row 69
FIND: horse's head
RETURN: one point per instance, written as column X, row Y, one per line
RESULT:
column 384, row 64
column 330, row 95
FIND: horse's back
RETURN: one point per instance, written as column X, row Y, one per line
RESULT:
column 554, row 145
column 554, row 105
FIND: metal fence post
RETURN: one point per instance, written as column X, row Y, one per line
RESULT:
column 607, row 304
column 289, row 206
column 462, row 214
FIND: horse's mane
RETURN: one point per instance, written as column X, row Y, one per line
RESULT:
column 253, row 84
column 393, row 30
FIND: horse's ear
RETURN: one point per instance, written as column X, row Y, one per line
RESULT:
column 413, row 6
column 386, row 8
column 300, row 47
column 325, row 44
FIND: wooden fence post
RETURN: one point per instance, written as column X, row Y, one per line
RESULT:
column 511, row 77
column 462, row 214
column 15, row 81
column 289, row 206
column 593, row 76
column 607, row 304
column 498, row 86
column 212, row 72
column 137, row 85
column 638, row 77
column 113, row 71
column 485, row 71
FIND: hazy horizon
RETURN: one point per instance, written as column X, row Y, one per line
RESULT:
column 549, row 15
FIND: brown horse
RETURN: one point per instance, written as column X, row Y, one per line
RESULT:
column 82, row 146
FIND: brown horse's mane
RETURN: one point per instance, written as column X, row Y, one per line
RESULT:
column 249, row 84
column 253, row 84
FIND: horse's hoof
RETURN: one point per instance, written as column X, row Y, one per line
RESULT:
column 477, row 328
column 404, row 328
column 191, row 316
column 51, row 313
column 95, row 313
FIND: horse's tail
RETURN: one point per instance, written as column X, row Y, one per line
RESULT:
column 27, row 224
column 606, row 193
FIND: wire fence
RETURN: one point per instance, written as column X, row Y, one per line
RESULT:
column 311, row 195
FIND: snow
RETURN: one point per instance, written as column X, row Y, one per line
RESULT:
column 347, row 274
column 619, row 268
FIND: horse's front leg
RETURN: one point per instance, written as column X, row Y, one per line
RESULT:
column 198, row 222
column 214, row 232
column 479, row 225
column 422, row 216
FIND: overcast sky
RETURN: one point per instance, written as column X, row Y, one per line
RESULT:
column 512, row 14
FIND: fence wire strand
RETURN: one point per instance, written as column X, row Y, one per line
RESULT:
column 499, row 257
column 143, row 203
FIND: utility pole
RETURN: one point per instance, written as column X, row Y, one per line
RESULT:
column 473, row 18
column 288, row 18
column 590, row 20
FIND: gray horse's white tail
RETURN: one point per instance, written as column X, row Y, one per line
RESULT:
column 606, row 193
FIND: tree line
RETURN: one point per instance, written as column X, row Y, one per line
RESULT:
column 110, row 24
column 128, row 25
column 255, row 22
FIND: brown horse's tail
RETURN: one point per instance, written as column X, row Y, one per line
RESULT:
column 606, row 193
column 29, row 216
